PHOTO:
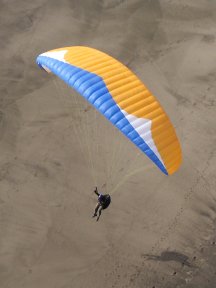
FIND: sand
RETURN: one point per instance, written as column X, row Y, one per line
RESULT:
column 158, row 231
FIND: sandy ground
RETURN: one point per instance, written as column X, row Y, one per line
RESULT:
column 159, row 231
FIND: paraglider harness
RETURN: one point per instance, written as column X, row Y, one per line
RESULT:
column 104, row 200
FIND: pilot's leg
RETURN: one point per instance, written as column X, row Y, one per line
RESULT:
column 100, row 210
column 96, row 209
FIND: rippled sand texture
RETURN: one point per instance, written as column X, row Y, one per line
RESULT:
column 159, row 231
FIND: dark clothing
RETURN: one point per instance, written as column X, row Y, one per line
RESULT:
column 104, row 200
column 96, row 191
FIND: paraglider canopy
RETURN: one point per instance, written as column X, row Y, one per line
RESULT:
column 117, row 93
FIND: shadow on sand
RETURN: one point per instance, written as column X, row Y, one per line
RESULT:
column 170, row 256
